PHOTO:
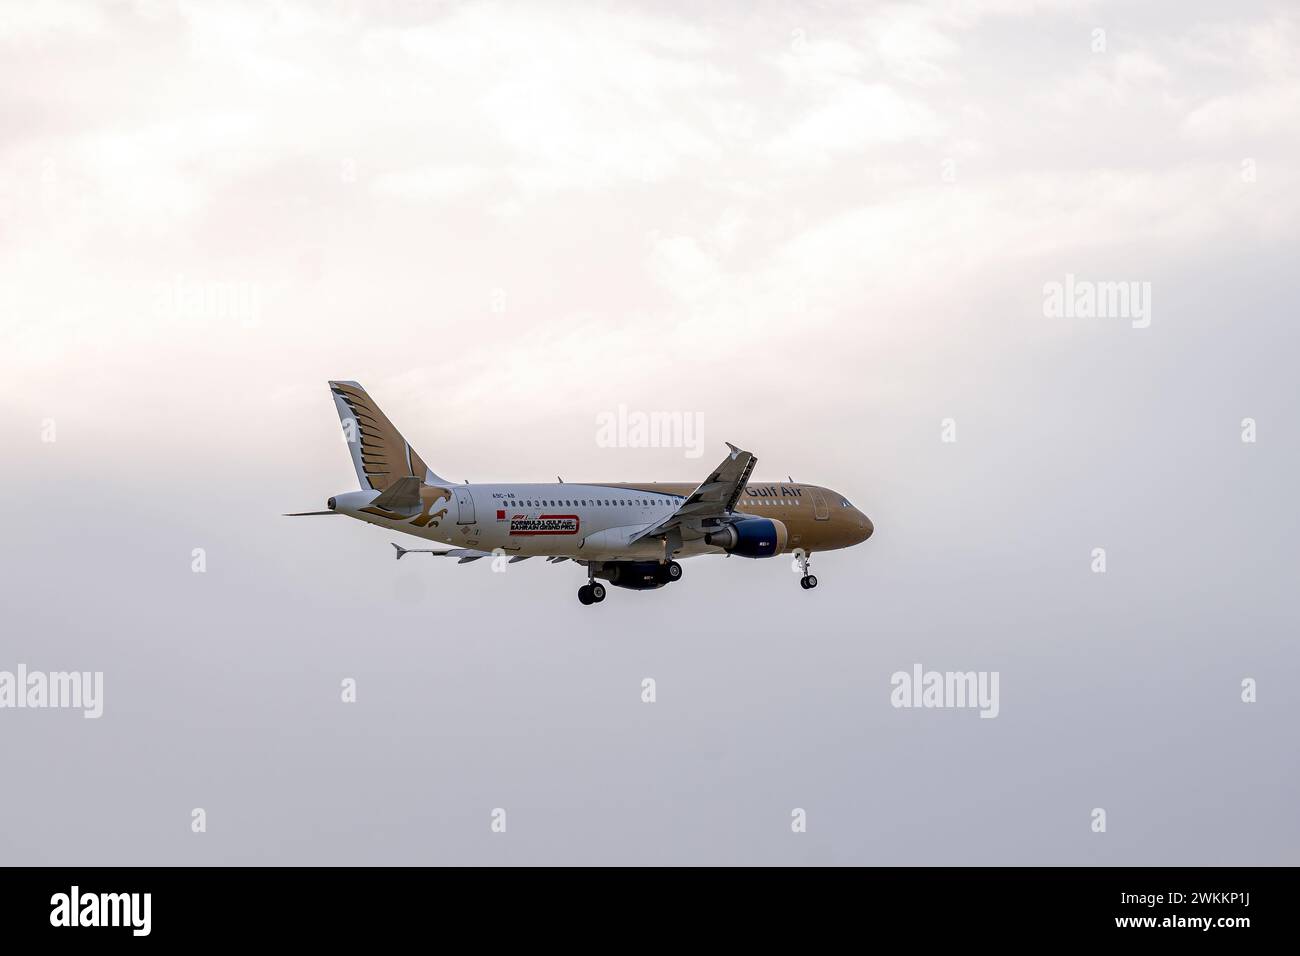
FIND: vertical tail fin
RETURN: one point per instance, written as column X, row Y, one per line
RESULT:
column 380, row 454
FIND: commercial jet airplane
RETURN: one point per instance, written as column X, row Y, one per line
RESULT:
column 626, row 533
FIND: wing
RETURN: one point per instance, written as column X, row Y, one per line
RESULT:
column 714, row 498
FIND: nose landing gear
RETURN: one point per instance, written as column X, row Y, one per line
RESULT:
column 808, row 581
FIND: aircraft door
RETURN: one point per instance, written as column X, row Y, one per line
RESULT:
column 820, row 511
column 465, row 505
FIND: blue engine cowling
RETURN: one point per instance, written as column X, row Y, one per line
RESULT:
column 751, row 538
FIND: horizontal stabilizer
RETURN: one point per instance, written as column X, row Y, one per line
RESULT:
column 402, row 496
column 464, row 554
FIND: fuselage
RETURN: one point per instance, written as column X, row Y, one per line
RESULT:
column 597, row 521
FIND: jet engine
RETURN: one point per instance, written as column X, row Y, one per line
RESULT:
column 634, row 575
column 750, row 538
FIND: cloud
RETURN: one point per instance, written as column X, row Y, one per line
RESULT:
column 850, row 120
column 621, row 169
column 31, row 24
column 1242, row 118
column 432, row 183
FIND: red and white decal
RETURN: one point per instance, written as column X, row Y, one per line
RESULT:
column 544, row 524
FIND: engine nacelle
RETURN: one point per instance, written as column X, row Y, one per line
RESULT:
column 634, row 575
column 751, row 538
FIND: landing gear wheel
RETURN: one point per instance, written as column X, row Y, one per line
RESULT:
column 674, row 571
column 807, row 581
column 584, row 594
column 597, row 592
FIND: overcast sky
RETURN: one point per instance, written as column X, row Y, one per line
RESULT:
column 824, row 231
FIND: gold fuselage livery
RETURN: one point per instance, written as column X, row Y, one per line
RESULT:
column 627, row 533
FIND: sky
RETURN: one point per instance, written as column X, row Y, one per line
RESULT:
column 828, row 233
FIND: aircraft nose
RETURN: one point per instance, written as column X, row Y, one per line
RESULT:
column 864, row 523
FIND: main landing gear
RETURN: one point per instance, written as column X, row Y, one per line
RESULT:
column 591, row 593
column 633, row 575
column 808, row 581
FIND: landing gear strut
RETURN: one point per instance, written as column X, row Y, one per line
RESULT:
column 808, row 581
column 591, row 592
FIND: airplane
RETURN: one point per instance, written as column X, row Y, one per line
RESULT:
column 627, row 533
